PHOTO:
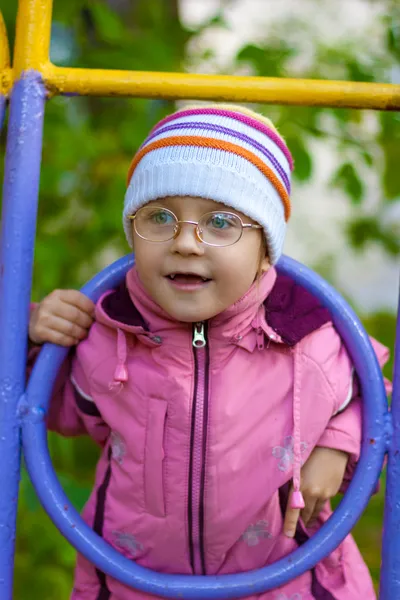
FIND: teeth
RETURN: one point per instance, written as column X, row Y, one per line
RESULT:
column 173, row 275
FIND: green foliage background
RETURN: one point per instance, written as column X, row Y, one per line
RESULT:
column 88, row 144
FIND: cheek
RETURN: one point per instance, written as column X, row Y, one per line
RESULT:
column 143, row 250
column 146, row 258
column 139, row 255
column 248, row 259
column 240, row 271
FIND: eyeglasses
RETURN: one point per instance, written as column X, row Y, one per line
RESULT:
column 217, row 228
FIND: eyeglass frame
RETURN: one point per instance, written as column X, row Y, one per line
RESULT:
column 178, row 226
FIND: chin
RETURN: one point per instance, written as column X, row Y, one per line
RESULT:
column 185, row 316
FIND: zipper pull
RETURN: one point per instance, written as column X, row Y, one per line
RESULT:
column 199, row 340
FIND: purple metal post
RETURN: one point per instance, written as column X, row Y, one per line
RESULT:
column 20, row 199
column 390, row 574
column 3, row 102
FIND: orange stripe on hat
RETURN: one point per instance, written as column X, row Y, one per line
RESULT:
column 206, row 142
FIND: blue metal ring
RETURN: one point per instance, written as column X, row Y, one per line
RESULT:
column 95, row 549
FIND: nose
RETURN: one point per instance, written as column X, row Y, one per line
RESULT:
column 186, row 242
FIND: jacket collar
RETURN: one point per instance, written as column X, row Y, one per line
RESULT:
column 275, row 307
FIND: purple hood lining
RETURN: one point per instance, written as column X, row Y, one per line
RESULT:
column 119, row 307
column 290, row 310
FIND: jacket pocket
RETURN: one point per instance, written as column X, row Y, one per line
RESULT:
column 154, row 457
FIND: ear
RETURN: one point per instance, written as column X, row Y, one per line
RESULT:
column 265, row 264
column 133, row 236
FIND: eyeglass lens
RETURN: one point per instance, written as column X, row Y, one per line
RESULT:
column 217, row 228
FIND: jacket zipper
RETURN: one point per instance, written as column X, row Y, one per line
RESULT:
column 198, row 441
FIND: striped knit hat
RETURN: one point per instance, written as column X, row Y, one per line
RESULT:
column 222, row 152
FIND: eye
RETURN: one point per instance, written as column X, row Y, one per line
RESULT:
column 221, row 221
column 161, row 217
column 218, row 222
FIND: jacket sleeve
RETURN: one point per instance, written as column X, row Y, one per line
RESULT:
column 72, row 411
column 344, row 430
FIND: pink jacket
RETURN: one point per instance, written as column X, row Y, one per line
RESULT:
column 197, row 444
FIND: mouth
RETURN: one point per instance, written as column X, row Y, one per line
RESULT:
column 188, row 280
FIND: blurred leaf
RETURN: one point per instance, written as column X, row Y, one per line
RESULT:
column 207, row 54
column 391, row 176
column 218, row 21
column 108, row 25
column 301, row 157
column 267, row 60
column 364, row 230
column 347, row 178
column 382, row 326
column 357, row 71
column 389, row 140
column 368, row 159
column 393, row 38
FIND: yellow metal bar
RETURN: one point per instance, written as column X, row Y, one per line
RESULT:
column 5, row 71
column 98, row 82
column 32, row 52
column 32, row 41
column 4, row 48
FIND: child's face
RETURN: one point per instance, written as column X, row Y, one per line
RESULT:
column 230, row 270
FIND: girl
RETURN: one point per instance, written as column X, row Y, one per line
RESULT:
column 208, row 378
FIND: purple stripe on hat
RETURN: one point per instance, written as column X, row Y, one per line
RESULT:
column 251, row 121
column 227, row 131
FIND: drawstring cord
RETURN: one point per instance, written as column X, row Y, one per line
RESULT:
column 121, row 372
column 259, row 330
column 296, row 500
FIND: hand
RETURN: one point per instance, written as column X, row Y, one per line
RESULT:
column 63, row 317
column 321, row 478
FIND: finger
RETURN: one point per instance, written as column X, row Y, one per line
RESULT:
column 53, row 325
column 79, row 300
column 309, row 508
column 55, row 337
column 319, row 506
column 292, row 516
column 66, row 341
column 71, row 313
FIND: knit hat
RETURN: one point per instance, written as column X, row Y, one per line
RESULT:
column 225, row 153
